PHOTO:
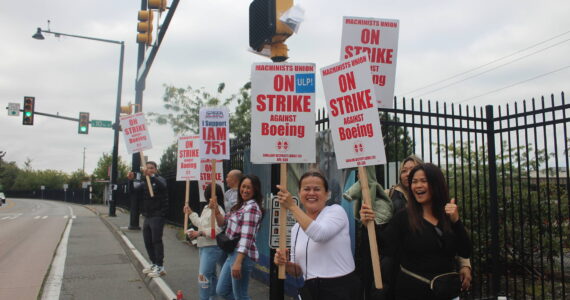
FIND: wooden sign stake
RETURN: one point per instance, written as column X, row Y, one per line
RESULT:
column 215, row 197
column 143, row 163
column 186, row 201
column 374, row 253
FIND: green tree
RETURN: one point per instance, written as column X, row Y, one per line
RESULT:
column 8, row 174
column 183, row 106
column 397, row 142
column 240, row 120
column 167, row 166
column 101, row 172
column 77, row 178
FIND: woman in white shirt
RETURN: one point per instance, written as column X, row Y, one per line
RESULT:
column 210, row 253
column 320, row 243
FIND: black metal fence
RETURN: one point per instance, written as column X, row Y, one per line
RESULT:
column 507, row 166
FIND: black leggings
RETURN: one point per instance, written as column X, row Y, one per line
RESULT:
column 346, row 287
column 152, row 234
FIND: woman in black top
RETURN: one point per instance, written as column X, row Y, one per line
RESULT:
column 427, row 235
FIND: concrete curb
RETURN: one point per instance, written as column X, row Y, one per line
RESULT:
column 157, row 286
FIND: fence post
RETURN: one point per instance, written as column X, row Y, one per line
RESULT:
column 493, row 200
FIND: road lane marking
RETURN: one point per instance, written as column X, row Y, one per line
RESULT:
column 36, row 217
column 12, row 217
column 52, row 287
column 44, row 217
column 65, row 217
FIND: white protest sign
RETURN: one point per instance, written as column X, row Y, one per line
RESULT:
column 353, row 115
column 283, row 113
column 188, row 158
column 214, row 133
column 206, row 175
column 136, row 133
column 379, row 39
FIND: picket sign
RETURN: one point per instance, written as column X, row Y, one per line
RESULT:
column 355, row 128
column 283, row 122
column 214, row 145
column 137, row 139
column 379, row 39
column 188, row 166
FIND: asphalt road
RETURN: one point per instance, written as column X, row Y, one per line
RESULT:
column 89, row 263
column 30, row 231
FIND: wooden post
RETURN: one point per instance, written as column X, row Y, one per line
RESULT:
column 215, row 197
column 143, row 163
column 186, row 203
column 374, row 253
column 282, row 220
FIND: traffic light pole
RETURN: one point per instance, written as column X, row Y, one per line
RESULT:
column 38, row 35
column 143, row 67
column 115, row 156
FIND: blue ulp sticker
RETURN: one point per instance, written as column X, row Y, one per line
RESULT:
column 305, row 83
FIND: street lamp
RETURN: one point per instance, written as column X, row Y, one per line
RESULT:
column 114, row 164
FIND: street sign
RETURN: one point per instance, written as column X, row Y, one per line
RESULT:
column 274, row 231
column 65, row 186
column 101, row 123
column 13, row 109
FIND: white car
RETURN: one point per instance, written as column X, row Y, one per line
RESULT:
column 2, row 198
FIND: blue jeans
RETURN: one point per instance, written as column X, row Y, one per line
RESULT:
column 231, row 288
column 209, row 256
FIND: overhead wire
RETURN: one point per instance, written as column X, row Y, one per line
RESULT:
column 489, row 63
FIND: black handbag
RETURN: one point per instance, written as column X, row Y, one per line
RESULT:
column 225, row 243
column 446, row 286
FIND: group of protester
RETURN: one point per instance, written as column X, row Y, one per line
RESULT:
column 423, row 244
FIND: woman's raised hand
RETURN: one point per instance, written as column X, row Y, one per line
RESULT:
column 285, row 198
column 452, row 211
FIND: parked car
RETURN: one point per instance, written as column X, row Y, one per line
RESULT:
column 2, row 198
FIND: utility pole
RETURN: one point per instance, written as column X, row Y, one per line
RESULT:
column 143, row 67
column 84, row 160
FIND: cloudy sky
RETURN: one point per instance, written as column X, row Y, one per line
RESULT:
column 207, row 43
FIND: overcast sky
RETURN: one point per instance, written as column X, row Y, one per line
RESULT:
column 207, row 43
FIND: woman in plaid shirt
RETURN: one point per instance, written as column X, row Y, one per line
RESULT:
column 242, row 221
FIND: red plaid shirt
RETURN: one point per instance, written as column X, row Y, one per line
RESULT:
column 245, row 222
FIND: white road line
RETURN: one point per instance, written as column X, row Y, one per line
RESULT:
column 5, row 218
column 166, row 290
column 66, row 217
column 52, row 287
column 44, row 217
column 71, row 212
column 37, row 217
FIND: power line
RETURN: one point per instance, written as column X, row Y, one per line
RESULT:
column 494, row 68
column 516, row 83
column 486, row 64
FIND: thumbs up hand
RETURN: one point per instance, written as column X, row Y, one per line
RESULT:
column 452, row 211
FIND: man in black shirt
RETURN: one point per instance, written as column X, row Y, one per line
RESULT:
column 154, row 210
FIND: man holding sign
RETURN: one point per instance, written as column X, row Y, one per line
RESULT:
column 154, row 210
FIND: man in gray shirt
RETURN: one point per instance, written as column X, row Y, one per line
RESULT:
column 230, row 196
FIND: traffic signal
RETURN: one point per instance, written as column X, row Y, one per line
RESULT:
column 157, row 4
column 144, row 27
column 28, row 116
column 264, row 24
column 83, row 127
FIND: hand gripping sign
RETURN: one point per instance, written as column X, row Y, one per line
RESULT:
column 214, row 144
column 137, row 138
column 188, row 165
column 283, row 121
column 379, row 39
column 355, row 128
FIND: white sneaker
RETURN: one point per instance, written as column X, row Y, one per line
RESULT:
column 157, row 272
column 149, row 269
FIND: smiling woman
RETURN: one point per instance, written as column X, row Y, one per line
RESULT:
column 427, row 236
column 320, row 243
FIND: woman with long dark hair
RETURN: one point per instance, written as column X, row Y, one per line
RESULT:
column 242, row 222
column 427, row 236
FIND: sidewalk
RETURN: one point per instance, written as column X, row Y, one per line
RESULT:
column 181, row 259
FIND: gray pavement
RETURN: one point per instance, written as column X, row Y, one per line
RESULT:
column 181, row 259
column 97, row 267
